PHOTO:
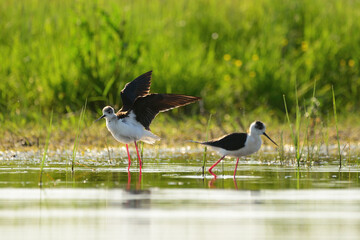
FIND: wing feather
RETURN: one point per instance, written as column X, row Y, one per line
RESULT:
column 139, row 87
column 230, row 142
column 146, row 108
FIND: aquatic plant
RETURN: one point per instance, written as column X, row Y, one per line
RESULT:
column 295, row 134
column 102, row 47
column 78, row 133
column 45, row 149
column 205, row 148
column 336, row 124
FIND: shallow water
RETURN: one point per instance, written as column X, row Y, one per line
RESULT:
column 268, row 199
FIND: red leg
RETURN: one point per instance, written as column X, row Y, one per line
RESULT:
column 137, row 150
column 214, row 166
column 237, row 162
column 127, row 149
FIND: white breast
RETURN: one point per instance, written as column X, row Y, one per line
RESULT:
column 125, row 130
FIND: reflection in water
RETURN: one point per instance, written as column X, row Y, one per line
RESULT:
column 179, row 214
column 135, row 202
column 211, row 183
column 171, row 200
column 235, row 183
column 137, row 183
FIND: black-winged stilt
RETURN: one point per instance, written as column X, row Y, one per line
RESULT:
column 238, row 144
column 131, row 123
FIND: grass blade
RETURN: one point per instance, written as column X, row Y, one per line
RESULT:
column 336, row 123
column 78, row 133
column 205, row 148
column 46, row 149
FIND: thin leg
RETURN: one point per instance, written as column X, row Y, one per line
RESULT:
column 127, row 149
column 215, row 165
column 237, row 162
column 137, row 150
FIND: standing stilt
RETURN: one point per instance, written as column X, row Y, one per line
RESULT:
column 214, row 166
column 137, row 150
column 127, row 149
column 237, row 162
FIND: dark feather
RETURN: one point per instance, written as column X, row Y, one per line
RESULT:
column 231, row 142
column 139, row 87
column 147, row 107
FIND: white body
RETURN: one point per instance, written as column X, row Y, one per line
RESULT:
column 127, row 130
column 252, row 144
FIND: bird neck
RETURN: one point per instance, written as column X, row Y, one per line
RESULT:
column 254, row 135
column 111, row 118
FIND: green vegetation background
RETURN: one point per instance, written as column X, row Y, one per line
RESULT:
column 239, row 56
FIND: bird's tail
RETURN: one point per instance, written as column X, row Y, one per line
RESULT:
column 192, row 141
column 150, row 138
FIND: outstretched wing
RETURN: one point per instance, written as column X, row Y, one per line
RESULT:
column 146, row 108
column 139, row 87
column 230, row 142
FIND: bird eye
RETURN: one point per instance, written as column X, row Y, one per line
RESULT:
column 259, row 125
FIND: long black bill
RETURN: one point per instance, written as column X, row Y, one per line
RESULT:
column 270, row 139
column 100, row 118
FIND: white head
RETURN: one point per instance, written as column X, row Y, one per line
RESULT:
column 258, row 128
column 108, row 113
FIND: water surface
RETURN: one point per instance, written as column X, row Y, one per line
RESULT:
column 171, row 199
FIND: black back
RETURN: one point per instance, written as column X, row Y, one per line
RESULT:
column 230, row 142
column 139, row 87
column 146, row 108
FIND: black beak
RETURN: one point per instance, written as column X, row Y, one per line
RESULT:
column 270, row 138
column 100, row 118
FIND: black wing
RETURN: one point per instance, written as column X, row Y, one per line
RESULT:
column 231, row 142
column 146, row 108
column 139, row 87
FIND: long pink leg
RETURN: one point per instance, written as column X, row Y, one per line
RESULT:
column 215, row 165
column 237, row 162
column 127, row 149
column 137, row 150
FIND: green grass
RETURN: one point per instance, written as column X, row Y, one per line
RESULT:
column 56, row 54
column 205, row 148
column 42, row 163
column 336, row 125
column 295, row 133
column 78, row 133
column 239, row 56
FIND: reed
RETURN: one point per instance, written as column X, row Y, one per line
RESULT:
column 325, row 133
column 205, row 148
column 281, row 147
column 336, row 124
column 311, row 125
column 45, row 150
column 295, row 135
column 78, row 133
column 306, row 138
column 103, row 52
